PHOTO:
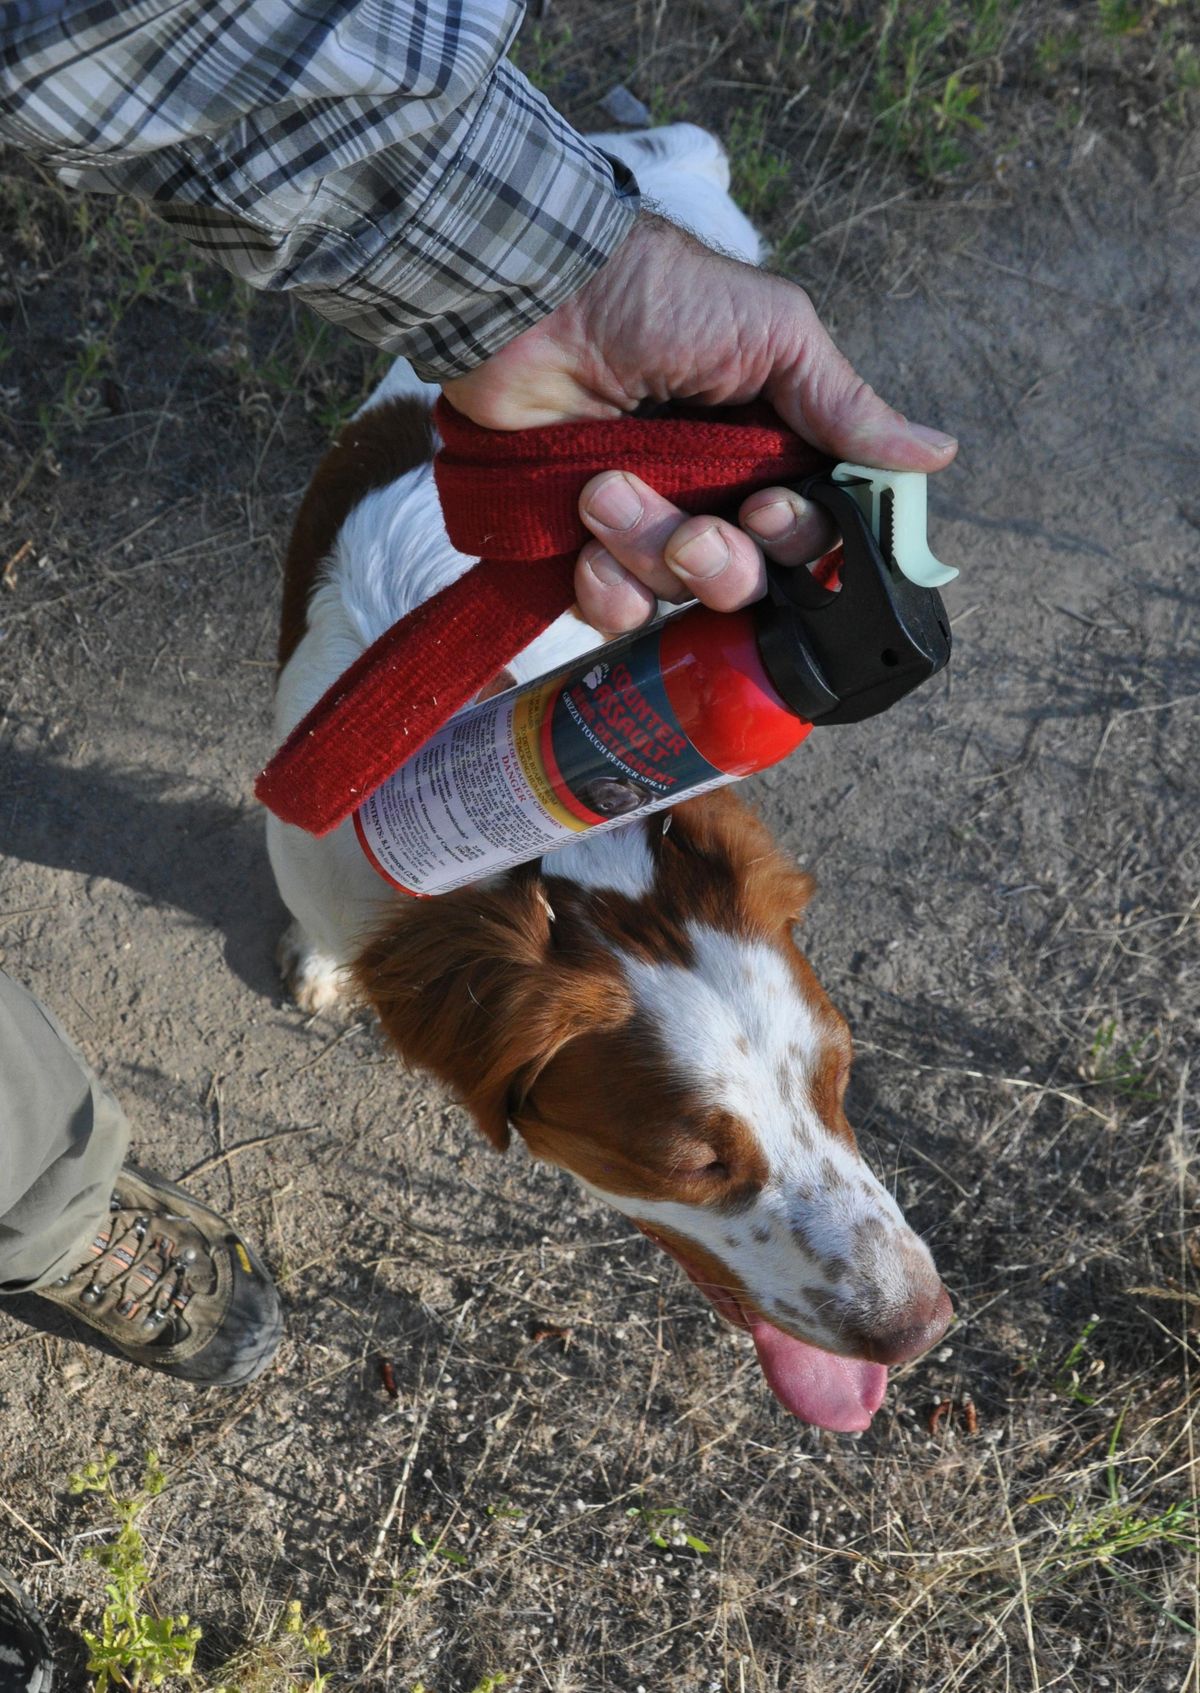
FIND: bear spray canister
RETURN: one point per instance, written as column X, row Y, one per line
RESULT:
column 701, row 699
column 639, row 725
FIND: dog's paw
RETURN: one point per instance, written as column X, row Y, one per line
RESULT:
column 313, row 980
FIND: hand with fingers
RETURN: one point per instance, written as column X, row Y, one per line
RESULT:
column 669, row 319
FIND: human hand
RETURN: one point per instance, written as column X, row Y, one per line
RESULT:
column 669, row 319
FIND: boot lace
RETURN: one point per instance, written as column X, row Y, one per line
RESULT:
column 136, row 1272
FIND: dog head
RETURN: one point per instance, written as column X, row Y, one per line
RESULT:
column 637, row 1008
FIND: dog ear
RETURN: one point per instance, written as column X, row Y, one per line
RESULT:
column 742, row 859
column 467, row 986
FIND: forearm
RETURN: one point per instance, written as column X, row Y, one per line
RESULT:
column 390, row 167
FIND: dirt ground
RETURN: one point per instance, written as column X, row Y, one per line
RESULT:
column 1008, row 867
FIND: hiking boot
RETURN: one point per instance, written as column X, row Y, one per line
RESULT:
column 26, row 1665
column 170, row 1284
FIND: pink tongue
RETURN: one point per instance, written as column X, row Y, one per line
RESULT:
column 834, row 1393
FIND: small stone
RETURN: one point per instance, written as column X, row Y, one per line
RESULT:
column 624, row 107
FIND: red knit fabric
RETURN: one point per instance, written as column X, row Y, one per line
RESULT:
column 513, row 500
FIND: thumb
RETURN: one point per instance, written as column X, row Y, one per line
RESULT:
column 823, row 398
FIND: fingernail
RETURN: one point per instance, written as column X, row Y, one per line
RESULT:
column 605, row 568
column 704, row 556
column 615, row 504
column 931, row 437
column 774, row 522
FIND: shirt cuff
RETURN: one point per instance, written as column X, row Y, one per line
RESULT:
column 524, row 215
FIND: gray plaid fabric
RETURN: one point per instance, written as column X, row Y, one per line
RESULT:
column 379, row 158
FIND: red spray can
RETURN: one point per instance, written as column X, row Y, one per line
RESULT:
column 698, row 700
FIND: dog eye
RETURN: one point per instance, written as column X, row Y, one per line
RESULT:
column 715, row 1170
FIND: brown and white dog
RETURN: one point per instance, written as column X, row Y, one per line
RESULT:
column 634, row 1005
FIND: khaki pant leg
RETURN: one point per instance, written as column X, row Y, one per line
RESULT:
column 62, row 1141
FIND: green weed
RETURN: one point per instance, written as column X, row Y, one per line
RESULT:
column 1127, row 1069
column 489, row 1684
column 935, row 87
column 438, row 1549
column 508, row 1512
column 1056, row 49
column 291, row 1649
column 410, row 1578
column 666, row 107
column 665, row 1527
column 1069, row 1374
column 761, row 171
column 132, row 1648
column 540, row 52
column 119, row 258
column 1186, row 65
column 952, row 110
column 931, row 59
column 1106, row 1534
column 1113, row 1531
column 1120, row 17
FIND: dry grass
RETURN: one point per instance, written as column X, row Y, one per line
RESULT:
column 835, row 113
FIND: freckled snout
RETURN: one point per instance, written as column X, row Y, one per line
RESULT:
column 909, row 1332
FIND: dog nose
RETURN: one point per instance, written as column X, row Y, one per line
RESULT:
column 922, row 1322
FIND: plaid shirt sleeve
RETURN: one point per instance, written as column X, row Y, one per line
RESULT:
column 379, row 158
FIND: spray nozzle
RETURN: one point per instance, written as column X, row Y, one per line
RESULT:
column 839, row 655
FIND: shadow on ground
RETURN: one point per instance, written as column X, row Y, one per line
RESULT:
column 196, row 852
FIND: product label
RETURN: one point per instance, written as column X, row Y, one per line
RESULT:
column 515, row 777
